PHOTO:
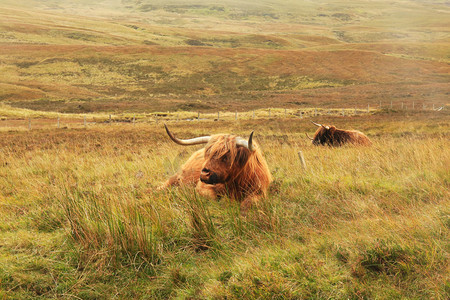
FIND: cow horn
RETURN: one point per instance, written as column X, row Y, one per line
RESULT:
column 194, row 141
column 320, row 125
column 309, row 137
column 247, row 144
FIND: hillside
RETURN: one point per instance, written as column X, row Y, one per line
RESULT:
column 239, row 55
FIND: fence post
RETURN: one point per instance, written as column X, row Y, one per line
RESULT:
column 343, row 112
column 355, row 111
column 218, row 115
column 58, row 122
column 198, row 116
column 413, row 105
column 85, row 122
column 315, row 112
column 285, row 112
column 391, row 104
column 235, row 115
column 269, row 112
column 29, row 124
column 109, row 119
column 253, row 114
column 368, row 107
column 134, row 120
column 302, row 159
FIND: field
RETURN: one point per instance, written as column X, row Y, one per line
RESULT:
column 86, row 87
column 134, row 56
column 80, row 216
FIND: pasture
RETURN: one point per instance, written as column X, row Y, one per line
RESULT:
column 80, row 216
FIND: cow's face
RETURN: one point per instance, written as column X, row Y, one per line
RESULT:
column 324, row 135
column 223, row 160
column 225, row 155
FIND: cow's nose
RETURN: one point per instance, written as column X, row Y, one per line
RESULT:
column 206, row 171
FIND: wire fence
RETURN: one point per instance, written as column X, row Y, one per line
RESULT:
column 85, row 121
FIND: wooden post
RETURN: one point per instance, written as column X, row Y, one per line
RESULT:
column 198, row 116
column 235, row 115
column 368, row 107
column 58, row 122
column 413, row 105
column 302, row 159
column 85, row 122
column 269, row 112
column 355, row 111
column 285, row 112
column 253, row 114
column 343, row 112
column 218, row 115
column 134, row 120
column 29, row 124
column 391, row 104
column 109, row 119
column 315, row 112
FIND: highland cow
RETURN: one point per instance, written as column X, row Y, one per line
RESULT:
column 227, row 165
column 331, row 136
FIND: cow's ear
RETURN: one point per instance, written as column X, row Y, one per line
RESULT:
column 242, row 156
column 332, row 129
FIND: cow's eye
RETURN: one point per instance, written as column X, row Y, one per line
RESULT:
column 224, row 159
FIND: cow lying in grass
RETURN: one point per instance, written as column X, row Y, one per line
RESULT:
column 331, row 136
column 227, row 165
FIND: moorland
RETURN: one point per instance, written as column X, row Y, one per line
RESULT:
column 80, row 213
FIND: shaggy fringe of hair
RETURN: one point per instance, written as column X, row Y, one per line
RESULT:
column 253, row 178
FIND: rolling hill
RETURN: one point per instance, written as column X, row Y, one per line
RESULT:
column 78, row 56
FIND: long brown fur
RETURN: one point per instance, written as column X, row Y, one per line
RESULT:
column 338, row 137
column 246, row 176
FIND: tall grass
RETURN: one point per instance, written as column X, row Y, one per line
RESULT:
column 365, row 222
column 114, row 226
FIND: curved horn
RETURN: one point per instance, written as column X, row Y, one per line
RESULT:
column 247, row 144
column 194, row 141
column 320, row 125
column 309, row 137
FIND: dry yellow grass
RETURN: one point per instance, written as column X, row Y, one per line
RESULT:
column 79, row 206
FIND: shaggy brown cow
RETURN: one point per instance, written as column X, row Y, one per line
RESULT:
column 227, row 165
column 331, row 136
